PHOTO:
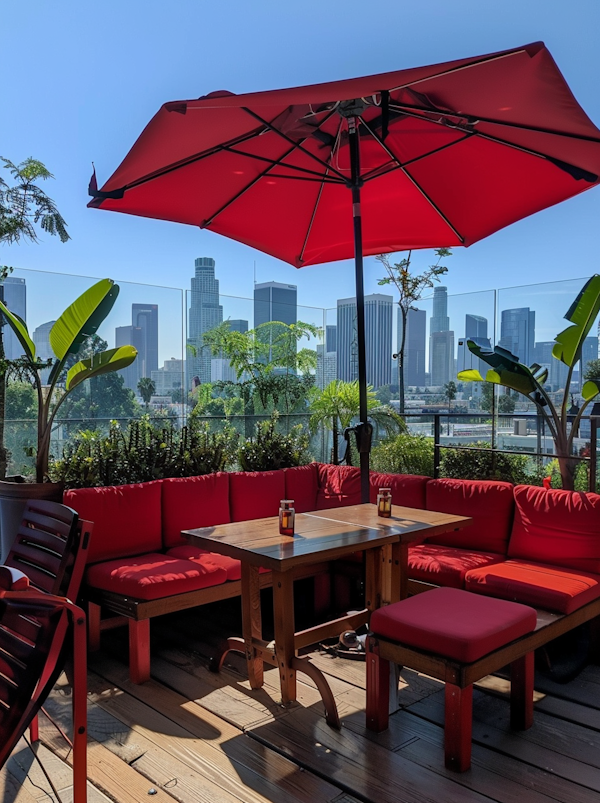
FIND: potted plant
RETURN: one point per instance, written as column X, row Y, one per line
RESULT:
column 78, row 322
column 506, row 370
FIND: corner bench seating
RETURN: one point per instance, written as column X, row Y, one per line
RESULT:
column 140, row 567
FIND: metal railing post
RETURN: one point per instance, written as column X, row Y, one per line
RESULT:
column 436, row 445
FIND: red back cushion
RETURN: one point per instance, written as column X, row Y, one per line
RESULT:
column 255, row 494
column 408, row 490
column 126, row 518
column 489, row 503
column 191, row 502
column 561, row 528
column 301, row 485
column 338, row 486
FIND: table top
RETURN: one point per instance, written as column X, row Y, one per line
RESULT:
column 320, row 535
column 409, row 524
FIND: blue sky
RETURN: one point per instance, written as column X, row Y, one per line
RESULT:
column 81, row 80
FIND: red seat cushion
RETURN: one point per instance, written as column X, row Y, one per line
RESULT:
column 191, row 502
column 127, row 518
column 301, row 485
column 542, row 585
column 489, row 503
column 338, row 486
column 232, row 566
column 255, row 494
column 453, row 623
column 408, row 490
column 561, row 528
column 154, row 575
column 446, row 565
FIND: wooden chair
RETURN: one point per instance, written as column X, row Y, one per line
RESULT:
column 36, row 629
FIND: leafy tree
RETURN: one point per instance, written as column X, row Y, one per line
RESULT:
column 450, row 392
column 146, row 388
column 410, row 289
column 592, row 370
column 338, row 404
column 23, row 206
column 506, row 403
column 21, row 401
column 384, row 394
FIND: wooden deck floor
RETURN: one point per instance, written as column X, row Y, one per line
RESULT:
column 189, row 735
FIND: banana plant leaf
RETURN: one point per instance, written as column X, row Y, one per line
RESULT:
column 470, row 375
column 582, row 313
column 19, row 327
column 590, row 389
column 82, row 318
column 103, row 363
column 505, row 370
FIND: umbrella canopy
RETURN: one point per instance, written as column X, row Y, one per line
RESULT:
column 434, row 156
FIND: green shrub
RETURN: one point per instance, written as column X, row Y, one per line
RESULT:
column 404, row 454
column 141, row 453
column 270, row 449
column 469, row 464
column 581, row 481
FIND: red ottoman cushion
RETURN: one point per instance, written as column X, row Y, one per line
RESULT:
column 126, row 518
column 154, row 575
column 542, row 585
column 557, row 527
column 191, row 502
column 232, row 566
column 255, row 494
column 489, row 503
column 453, row 623
column 301, row 485
column 338, row 486
column 445, row 565
column 408, row 490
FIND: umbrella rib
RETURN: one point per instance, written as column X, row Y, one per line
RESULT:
column 296, row 145
column 278, row 163
column 316, row 206
column 414, row 182
column 400, row 165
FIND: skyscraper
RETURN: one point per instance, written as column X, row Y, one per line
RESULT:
column 274, row 301
column 517, row 332
column 204, row 314
column 143, row 336
column 475, row 329
column 378, row 339
column 441, row 340
column 414, row 351
column 330, row 338
column 130, row 336
column 41, row 341
column 14, row 295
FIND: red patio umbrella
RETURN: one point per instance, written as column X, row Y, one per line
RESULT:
column 426, row 157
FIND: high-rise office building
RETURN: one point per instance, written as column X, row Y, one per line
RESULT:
column 414, row 350
column 170, row 377
column 557, row 370
column 13, row 292
column 440, row 322
column 145, row 316
column 205, row 313
column 43, row 350
column 441, row 340
column 378, row 339
column 330, row 338
column 326, row 366
column 130, row 336
column 476, row 329
column 237, row 325
column 274, row 301
column 517, row 332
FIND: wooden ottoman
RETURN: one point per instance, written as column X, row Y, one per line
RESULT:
column 458, row 637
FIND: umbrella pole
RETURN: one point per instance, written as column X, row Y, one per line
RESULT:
column 360, row 306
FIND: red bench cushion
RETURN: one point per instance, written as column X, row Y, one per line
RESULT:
column 191, row 502
column 408, row 490
column 127, row 518
column 561, row 528
column 301, row 485
column 446, row 565
column 338, row 486
column 154, row 575
column 542, row 585
column 489, row 503
column 452, row 623
column 232, row 566
column 255, row 494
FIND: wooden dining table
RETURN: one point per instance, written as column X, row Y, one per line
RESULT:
column 320, row 536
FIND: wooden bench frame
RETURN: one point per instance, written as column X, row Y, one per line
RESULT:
column 459, row 678
column 136, row 613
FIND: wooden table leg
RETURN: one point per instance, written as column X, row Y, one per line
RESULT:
column 252, row 622
column 283, row 616
column 374, row 573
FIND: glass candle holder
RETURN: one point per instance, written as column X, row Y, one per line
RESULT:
column 287, row 516
column 384, row 503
